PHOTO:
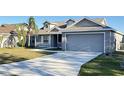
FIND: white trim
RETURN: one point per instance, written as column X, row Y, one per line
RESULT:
column 84, row 33
column 50, row 40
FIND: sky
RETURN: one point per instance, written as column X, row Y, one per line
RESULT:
column 116, row 22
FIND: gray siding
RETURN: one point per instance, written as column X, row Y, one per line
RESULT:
column 118, row 40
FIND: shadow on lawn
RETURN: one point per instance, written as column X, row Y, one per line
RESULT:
column 103, row 66
column 8, row 58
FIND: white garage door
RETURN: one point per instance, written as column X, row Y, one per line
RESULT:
column 85, row 42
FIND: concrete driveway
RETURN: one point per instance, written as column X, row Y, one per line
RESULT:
column 58, row 64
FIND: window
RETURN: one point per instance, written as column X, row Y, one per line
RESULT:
column 38, row 38
column 45, row 39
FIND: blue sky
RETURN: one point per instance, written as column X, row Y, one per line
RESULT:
column 117, row 22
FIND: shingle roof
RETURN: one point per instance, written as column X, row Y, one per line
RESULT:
column 7, row 28
column 58, row 23
column 100, row 21
column 48, row 32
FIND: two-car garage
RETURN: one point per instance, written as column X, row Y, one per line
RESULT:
column 88, row 42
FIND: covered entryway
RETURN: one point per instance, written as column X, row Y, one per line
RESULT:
column 56, row 40
column 85, row 42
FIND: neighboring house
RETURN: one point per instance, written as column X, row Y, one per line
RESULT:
column 5, row 32
column 90, row 35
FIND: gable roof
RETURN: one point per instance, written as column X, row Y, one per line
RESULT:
column 99, row 21
column 96, row 21
column 70, row 20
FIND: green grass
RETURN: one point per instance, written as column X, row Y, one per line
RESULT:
column 18, row 54
column 104, row 66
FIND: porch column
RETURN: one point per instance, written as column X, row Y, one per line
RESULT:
column 50, row 40
column 35, row 41
column 41, row 39
column 57, row 41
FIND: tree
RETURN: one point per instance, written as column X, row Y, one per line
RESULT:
column 18, row 34
column 21, row 33
column 32, row 25
column 32, row 29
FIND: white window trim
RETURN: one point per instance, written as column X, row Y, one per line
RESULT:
column 85, row 33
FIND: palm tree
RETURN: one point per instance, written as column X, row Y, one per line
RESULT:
column 32, row 28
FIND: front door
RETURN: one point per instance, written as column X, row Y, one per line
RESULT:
column 57, row 39
column 54, row 40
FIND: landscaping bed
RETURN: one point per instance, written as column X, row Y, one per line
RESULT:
column 104, row 66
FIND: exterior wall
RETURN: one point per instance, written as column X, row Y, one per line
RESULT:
column 51, row 26
column 109, row 41
column 110, row 44
column 5, row 37
column 118, row 40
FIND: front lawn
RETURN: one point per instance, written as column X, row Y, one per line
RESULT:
column 104, row 66
column 18, row 54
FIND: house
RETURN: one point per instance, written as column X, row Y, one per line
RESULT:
column 90, row 35
column 5, row 31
